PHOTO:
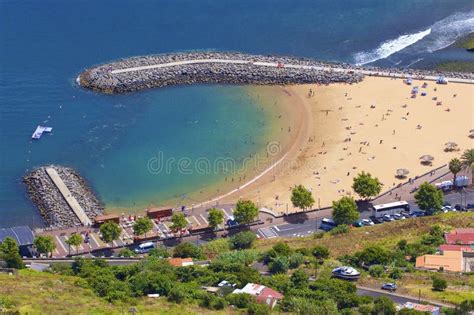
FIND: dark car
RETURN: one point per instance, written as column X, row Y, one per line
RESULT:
column 459, row 207
column 406, row 214
column 470, row 206
column 418, row 214
column 392, row 287
column 376, row 220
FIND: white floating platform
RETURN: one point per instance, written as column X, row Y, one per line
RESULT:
column 39, row 131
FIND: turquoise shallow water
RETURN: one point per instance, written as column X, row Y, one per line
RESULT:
column 111, row 139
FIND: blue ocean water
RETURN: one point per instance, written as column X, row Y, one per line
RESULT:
column 111, row 139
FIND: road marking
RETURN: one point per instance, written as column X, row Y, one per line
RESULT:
column 226, row 214
column 276, row 228
column 267, row 232
column 204, row 219
column 61, row 243
column 92, row 237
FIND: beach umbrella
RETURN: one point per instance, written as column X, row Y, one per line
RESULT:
column 402, row 172
column 426, row 159
column 450, row 146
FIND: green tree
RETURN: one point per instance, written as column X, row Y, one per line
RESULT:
column 455, row 167
column 187, row 250
column 178, row 221
column 10, row 253
column 110, row 231
column 344, row 211
column 465, row 307
column 279, row 264
column 429, row 198
column 402, row 244
column 126, row 252
column 177, row 294
column 74, row 240
column 142, row 226
column 376, row 271
column 258, row 309
column 439, row 284
column 320, row 252
column 366, row 186
column 467, row 160
column 396, row 273
column 299, row 279
column 215, row 217
column 302, row 197
column 282, row 249
column 242, row 240
column 44, row 244
column 245, row 211
column 383, row 306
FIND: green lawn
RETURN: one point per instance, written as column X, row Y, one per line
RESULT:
column 43, row 293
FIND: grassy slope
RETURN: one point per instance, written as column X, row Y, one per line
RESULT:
column 461, row 287
column 466, row 42
column 456, row 66
column 43, row 293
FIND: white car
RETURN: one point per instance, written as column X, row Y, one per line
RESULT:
column 367, row 222
column 398, row 216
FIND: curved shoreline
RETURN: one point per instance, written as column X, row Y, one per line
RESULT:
column 138, row 73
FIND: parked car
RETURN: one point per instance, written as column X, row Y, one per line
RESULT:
column 388, row 218
column 470, row 206
column 406, row 214
column 459, row 207
column 392, row 287
column 367, row 222
column 416, row 214
column 144, row 248
column 398, row 216
column 358, row 224
column 376, row 220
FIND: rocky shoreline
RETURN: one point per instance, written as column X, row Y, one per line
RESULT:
column 52, row 206
column 103, row 78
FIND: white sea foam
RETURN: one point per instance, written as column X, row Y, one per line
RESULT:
column 390, row 47
column 438, row 36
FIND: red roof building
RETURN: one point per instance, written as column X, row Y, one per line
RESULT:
column 456, row 248
column 460, row 237
column 262, row 293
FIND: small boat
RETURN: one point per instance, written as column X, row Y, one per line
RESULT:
column 40, row 130
column 347, row 273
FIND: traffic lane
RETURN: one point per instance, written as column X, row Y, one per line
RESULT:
column 395, row 298
column 297, row 229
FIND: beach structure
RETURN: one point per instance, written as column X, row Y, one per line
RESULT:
column 23, row 237
column 62, row 196
column 40, row 130
column 261, row 293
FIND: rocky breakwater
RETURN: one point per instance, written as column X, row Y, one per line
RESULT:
column 54, row 209
column 145, row 72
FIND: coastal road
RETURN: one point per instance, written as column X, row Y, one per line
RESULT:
column 396, row 297
column 278, row 65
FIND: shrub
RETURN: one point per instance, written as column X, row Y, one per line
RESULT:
column 279, row 265
column 373, row 255
column 383, row 305
column 243, row 240
column 259, row 309
column 160, row 252
column 187, row 250
column 299, row 279
column 320, row 252
column 245, row 257
column 215, row 247
column 282, row 249
column 126, row 252
column 295, row 260
column 402, row 244
column 439, row 284
column 396, row 273
column 340, row 229
column 241, row 300
column 376, row 271
column 177, row 294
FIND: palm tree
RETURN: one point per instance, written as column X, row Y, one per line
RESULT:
column 455, row 167
column 467, row 161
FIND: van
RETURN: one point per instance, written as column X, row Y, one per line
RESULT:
column 144, row 248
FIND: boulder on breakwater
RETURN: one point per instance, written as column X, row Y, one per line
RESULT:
column 210, row 67
column 54, row 209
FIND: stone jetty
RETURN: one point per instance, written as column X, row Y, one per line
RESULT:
column 145, row 72
column 52, row 204
column 138, row 73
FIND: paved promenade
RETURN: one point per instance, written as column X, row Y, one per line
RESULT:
column 72, row 202
column 291, row 66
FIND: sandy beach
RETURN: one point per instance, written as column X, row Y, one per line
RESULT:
column 374, row 126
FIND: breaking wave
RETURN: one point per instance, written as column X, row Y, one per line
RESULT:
column 438, row 36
